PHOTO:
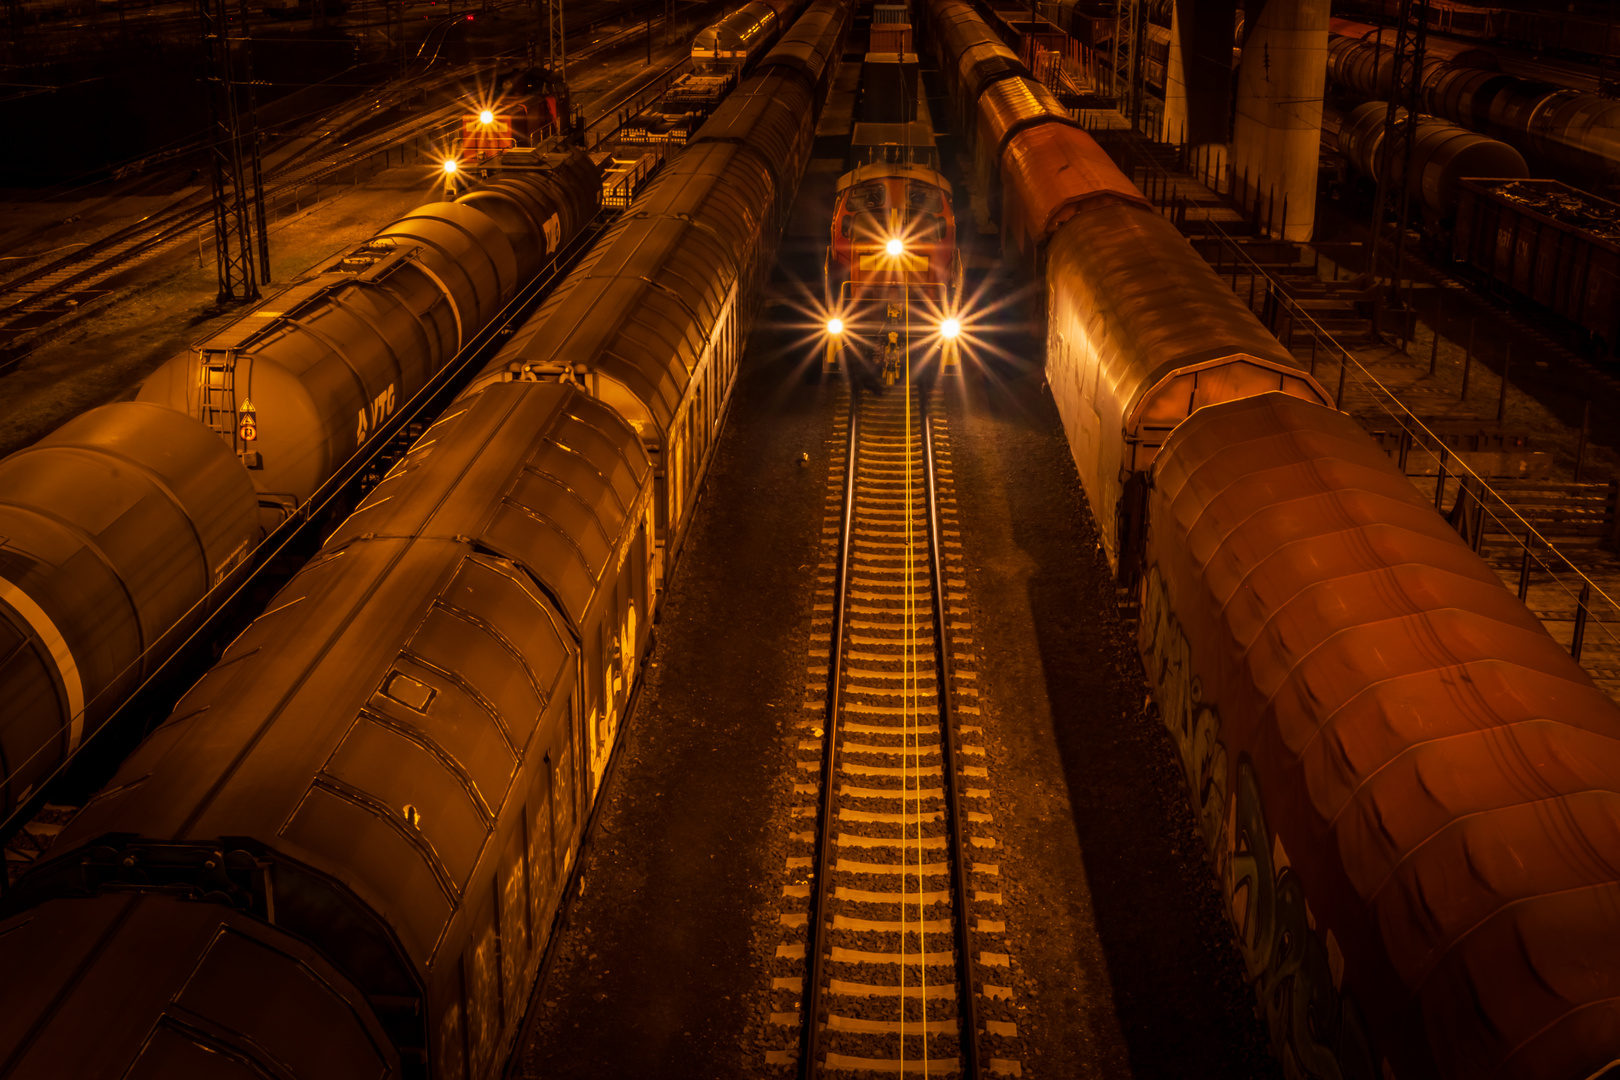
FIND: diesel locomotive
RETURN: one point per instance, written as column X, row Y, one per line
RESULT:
column 893, row 273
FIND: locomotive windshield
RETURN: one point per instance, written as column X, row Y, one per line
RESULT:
column 925, row 197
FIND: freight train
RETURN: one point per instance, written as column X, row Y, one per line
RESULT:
column 1406, row 789
column 736, row 41
column 1573, row 134
column 530, row 106
column 1579, row 34
column 1443, row 154
column 893, row 273
column 116, row 525
column 1548, row 243
column 340, row 855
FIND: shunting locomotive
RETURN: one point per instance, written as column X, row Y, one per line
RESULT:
column 532, row 106
column 893, row 272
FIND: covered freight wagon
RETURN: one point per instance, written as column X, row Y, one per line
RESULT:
column 1550, row 243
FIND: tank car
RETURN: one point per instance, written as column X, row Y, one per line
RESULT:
column 1443, row 154
column 1575, row 134
column 653, row 321
column 113, row 528
column 341, row 854
column 328, row 358
column 1406, row 788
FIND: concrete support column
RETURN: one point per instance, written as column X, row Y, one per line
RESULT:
column 1279, row 114
column 1198, row 83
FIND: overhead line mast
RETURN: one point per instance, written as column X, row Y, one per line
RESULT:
column 234, row 158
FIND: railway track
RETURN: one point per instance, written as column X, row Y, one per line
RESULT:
column 35, row 299
column 41, row 297
column 902, row 877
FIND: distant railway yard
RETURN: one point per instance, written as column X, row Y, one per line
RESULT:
column 810, row 538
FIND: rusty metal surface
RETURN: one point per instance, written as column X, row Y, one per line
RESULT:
column 231, row 996
column 111, row 528
column 1411, row 785
column 1129, row 306
column 414, row 697
column 1050, row 172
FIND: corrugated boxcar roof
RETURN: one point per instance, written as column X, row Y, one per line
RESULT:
column 406, row 666
column 1445, row 776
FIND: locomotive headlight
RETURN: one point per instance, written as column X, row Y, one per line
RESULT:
column 486, row 118
column 835, row 327
column 450, row 166
column 896, row 247
column 950, row 328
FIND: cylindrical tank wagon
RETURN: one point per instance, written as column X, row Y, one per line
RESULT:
column 112, row 529
column 388, row 769
column 1443, row 155
column 1567, row 131
column 326, row 360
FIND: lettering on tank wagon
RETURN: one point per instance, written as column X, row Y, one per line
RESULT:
column 1316, row 1028
column 382, row 407
column 553, row 229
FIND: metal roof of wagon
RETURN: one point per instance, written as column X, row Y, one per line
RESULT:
column 1441, row 774
column 407, row 665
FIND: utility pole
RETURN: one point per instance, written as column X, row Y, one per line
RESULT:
column 251, row 137
column 1124, row 79
column 233, row 157
column 556, row 48
column 1400, row 134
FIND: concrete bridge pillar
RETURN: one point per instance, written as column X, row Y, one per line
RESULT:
column 1198, row 84
column 1278, row 127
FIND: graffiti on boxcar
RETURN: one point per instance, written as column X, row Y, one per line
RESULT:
column 1316, row 1029
column 1194, row 724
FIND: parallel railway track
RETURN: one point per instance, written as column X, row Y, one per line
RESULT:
column 891, row 981
column 38, row 297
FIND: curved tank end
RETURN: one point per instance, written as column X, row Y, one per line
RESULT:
column 295, row 446
column 111, row 529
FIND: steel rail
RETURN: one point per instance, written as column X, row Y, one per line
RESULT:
column 967, row 1005
column 810, row 1029
column 178, row 218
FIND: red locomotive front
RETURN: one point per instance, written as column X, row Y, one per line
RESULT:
column 892, row 266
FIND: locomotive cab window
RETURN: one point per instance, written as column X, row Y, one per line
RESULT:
column 925, row 197
column 865, row 197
